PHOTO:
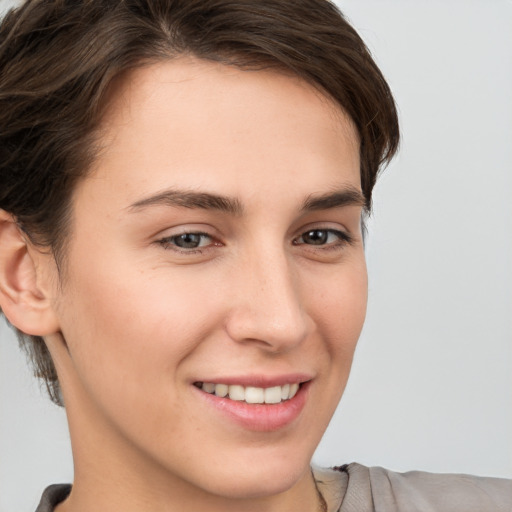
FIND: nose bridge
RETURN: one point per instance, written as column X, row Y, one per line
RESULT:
column 268, row 306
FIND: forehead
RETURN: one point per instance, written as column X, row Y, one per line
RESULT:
column 215, row 125
column 189, row 80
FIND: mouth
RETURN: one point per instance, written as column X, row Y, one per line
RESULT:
column 256, row 403
column 250, row 394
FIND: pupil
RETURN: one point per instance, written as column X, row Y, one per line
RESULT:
column 316, row 237
column 188, row 240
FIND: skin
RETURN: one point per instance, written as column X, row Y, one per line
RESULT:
column 136, row 320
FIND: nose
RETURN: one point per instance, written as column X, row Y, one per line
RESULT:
column 266, row 306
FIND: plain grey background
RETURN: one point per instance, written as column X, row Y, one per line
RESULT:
column 431, row 386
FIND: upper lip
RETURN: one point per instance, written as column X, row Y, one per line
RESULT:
column 259, row 381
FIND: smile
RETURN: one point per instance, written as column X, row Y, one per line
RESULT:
column 250, row 394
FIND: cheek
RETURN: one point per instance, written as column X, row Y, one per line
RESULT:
column 341, row 313
column 128, row 332
column 341, row 306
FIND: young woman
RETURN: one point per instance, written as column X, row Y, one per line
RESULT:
column 182, row 187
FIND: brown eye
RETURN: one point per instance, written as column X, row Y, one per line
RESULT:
column 188, row 240
column 316, row 237
column 324, row 238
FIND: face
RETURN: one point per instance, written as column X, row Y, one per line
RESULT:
column 216, row 248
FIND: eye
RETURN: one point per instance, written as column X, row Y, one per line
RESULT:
column 186, row 241
column 323, row 237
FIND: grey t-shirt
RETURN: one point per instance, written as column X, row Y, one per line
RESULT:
column 357, row 488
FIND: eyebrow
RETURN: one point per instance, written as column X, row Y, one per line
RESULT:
column 203, row 200
column 349, row 196
column 190, row 199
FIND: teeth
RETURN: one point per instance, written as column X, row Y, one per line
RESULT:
column 221, row 390
column 250, row 394
column 209, row 387
column 273, row 395
column 254, row 395
column 237, row 393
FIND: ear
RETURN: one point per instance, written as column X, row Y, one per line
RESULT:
column 25, row 276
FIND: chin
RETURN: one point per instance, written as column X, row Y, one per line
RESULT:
column 256, row 473
column 249, row 483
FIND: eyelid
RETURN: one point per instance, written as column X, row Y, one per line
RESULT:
column 184, row 228
column 344, row 237
column 166, row 241
column 332, row 226
column 330, row 252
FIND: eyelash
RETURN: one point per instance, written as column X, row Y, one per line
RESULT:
column 168, row 242
column 343, row 239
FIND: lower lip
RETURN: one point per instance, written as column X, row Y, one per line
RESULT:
column 259, row 417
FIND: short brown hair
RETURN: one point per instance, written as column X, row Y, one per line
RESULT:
column 58, row 58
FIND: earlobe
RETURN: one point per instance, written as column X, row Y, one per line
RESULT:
column 24, row 301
